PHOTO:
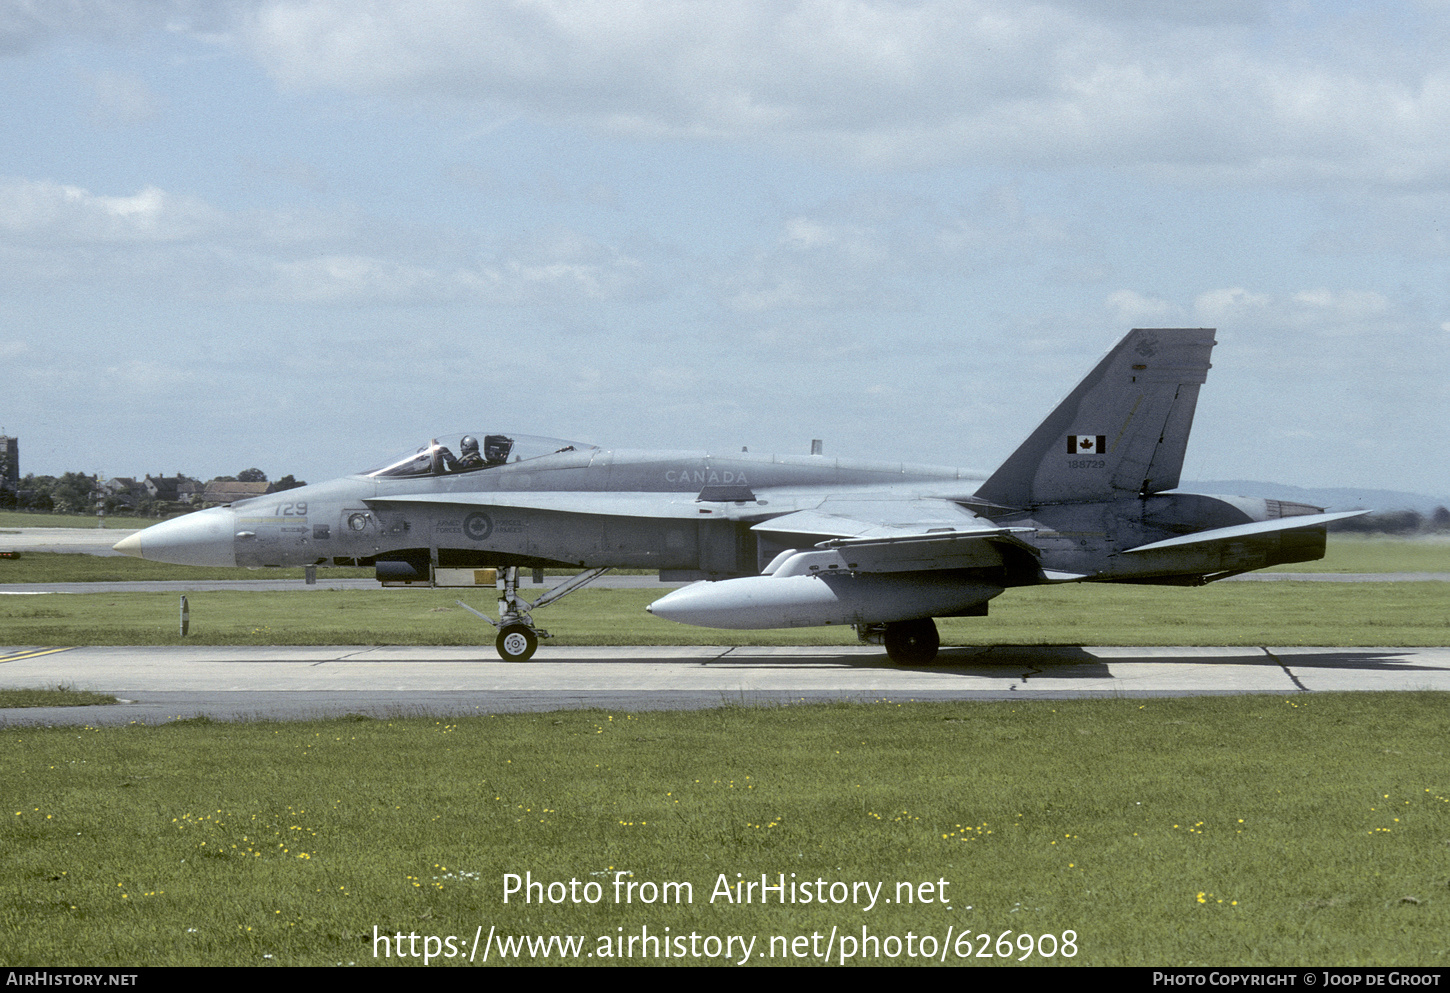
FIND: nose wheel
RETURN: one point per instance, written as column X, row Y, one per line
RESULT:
column 516, row 643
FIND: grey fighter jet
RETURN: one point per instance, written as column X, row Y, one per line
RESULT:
column 791, row 541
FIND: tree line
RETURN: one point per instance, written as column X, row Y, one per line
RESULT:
column 83, row 493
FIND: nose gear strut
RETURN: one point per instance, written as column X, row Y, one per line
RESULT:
column 517, row 637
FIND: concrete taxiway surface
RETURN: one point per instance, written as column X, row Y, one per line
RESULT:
column 62, row 541
column 291, row 683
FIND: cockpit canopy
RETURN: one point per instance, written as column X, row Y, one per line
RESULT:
column 476, row 450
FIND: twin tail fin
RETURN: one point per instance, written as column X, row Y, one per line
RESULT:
column 1121, row 433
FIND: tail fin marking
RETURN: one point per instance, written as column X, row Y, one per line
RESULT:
column 1140, row 398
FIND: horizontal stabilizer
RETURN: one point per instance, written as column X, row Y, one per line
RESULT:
column 1248, row 530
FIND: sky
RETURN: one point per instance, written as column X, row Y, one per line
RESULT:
column 305, row 236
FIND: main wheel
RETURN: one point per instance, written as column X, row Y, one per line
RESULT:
column 516, row 643
column 912, row 642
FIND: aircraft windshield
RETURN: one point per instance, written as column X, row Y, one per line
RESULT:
column 473, row 452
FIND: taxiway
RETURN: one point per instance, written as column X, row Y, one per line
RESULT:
column 293, row 683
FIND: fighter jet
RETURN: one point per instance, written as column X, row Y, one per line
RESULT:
column 775, row 541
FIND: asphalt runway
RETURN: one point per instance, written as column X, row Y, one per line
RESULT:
column 62, row 541
column 298, row 683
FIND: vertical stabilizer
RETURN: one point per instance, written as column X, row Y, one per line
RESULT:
column 1121, row 432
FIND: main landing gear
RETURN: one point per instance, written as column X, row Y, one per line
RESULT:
column 907, row 642
column 518, row 639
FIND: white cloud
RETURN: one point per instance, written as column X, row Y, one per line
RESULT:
column 50, row 211
column 1215, row 305
column 1309, row 319
column 1132, row 307
column 814, row 262
column 144, row 375
column 122, row 98
column 1230, row 92
column 1346, row 303
column 26, row 24
column 879, row 252
column 54, row 232
column 350, row 278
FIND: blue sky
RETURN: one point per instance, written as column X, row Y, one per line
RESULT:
column 305, row 235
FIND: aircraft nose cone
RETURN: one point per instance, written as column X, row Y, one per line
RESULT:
column 203, row 538
column 129, row 545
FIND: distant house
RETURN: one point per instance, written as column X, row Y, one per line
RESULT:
column 222, row 492
column 161, row 487
column 125, row 490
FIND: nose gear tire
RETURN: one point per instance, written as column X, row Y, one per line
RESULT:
column 516, row 643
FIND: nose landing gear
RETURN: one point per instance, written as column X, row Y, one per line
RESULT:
column 518, row 638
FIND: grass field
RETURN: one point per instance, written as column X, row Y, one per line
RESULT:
column 45, row 567
column 1355, row 553
column 20, row 519
column 1209, row 831
column 60, row 696
column 1283, row 613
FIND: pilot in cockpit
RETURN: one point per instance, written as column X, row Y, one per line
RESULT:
column 468, row 457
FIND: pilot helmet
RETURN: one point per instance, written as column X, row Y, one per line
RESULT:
column 469, row 445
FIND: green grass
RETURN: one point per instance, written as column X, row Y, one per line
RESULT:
column 1209, row 831
column 46, row 567
column 1282, row 613
column 61, row 696
column 22, row 519
column 1355, row 553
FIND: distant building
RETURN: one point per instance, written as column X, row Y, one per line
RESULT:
column 161, row 487
column 9, row 462
column 124, row 490
column 174, row 489
column 223, row 492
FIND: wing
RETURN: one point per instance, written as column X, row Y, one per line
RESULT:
column 861, row 561
column 887, row 536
